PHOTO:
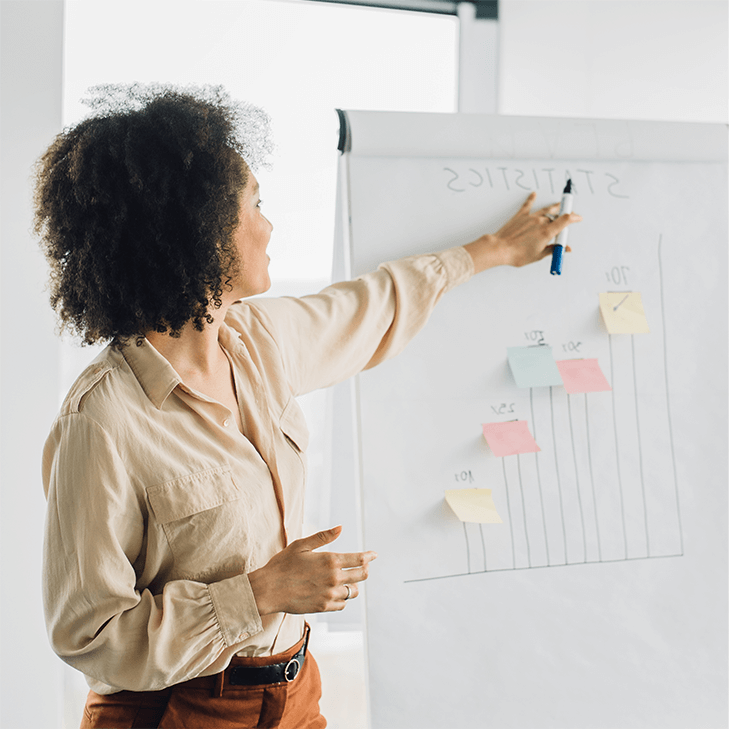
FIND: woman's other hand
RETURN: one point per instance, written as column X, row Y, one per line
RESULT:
column 523, row 239
column 300, row 580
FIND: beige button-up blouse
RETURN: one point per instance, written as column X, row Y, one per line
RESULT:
column 158, row 506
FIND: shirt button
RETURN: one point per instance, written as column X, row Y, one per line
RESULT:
column 226, row 422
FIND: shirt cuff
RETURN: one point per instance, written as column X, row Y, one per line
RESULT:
column 235, row 609
column 458, row 266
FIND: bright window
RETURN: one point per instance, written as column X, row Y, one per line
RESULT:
column 298, row 60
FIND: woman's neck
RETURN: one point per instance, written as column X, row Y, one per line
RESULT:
column 194, row 354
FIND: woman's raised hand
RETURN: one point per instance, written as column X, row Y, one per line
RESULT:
column 523, row 239
column 300, row 580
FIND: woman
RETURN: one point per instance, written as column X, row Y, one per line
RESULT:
column 175, row 574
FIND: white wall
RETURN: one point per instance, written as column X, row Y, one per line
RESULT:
column 30, row 115
column 613, row 59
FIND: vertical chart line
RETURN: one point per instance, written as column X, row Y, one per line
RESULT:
column 508, row 511
column 468, row 548
column 577, row 476
column 483, row 547
column 523, row 510
column 640, row 448
column 592, row 479
column 617, row 448
column 539, row 478
column 556, row 468
column 668, row 399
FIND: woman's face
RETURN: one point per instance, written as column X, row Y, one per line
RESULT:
column 251, row 238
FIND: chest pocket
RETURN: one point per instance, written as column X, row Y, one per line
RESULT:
column 205, row 518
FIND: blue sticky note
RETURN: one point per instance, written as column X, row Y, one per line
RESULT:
column 534, row 366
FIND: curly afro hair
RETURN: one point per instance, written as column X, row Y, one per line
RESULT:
column 136, row 206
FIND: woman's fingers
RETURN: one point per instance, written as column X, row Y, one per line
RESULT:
column 549, row 209
column 346, row 589
column 527, row 205
column 346, row 578
column 351, row 593
column 550, row 212
column 556, row 227
column 354, row 559
column 320, row 539
column 300, row 579
column 560, row 223
column 356, row 574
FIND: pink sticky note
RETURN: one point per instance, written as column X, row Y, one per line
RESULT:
column 582, row 375
column 508, row 439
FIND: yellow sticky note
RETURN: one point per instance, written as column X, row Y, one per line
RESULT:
column 622, row 312
column 474, row 505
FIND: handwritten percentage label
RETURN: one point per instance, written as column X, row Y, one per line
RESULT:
column 618, row 275
column 536, row 336
column 506, row 408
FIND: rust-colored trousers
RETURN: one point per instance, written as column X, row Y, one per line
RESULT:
column 212, row 703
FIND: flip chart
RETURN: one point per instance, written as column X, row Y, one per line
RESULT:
column 579, row 609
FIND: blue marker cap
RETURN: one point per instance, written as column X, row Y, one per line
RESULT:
column 556, row 269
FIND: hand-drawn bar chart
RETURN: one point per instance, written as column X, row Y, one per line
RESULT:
column 574, row 573
column 582, row 479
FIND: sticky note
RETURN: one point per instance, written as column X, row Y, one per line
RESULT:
column 582, row 375
column 508, row 439
column 622, row 312
column 533, row 366
column 473, row 505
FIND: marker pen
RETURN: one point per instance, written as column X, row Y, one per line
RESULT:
column 565, row 207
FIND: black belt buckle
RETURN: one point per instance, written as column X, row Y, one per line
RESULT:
column 276, row 673
column 292, row 670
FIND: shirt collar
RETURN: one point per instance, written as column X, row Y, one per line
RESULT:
column 230, row 339
column 155, row 374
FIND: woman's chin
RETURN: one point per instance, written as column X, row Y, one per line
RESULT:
column 260, row 288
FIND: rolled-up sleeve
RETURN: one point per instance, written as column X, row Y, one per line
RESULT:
column 98, row 620
column 354, row 325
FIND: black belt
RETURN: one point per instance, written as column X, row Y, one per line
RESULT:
column 275, row 673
